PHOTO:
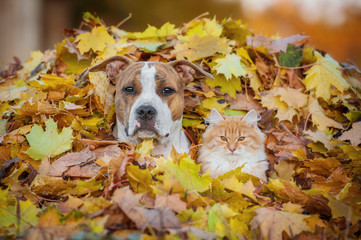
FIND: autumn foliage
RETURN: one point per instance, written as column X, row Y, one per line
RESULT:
column 63, row 175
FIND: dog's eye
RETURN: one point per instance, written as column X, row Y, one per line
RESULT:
column 129, row 90
column 167, row 91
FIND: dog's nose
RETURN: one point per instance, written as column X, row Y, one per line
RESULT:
column 146, row 112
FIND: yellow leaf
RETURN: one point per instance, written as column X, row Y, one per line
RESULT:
column 313, row 221
column 244, row 54
column 31, row 64
column 217, row 103
column 140, row 180
column 101, row 83
column 153, row 33
column 90, row 124
column 231, row 87
column 203, row 27
column 272, row 223
column 319, row 118
column 232, row 184
column 53, row 82
column 287, row 101
column 145, row 147
column 231, row 65
column 95, row 40
column 322, row 75
column 292, row 207
column 187, row 173
column 201, row 47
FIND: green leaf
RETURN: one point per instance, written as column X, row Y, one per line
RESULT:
column 292, row 57
column 48, row 143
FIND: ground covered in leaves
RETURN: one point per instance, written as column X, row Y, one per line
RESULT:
column 63, row 175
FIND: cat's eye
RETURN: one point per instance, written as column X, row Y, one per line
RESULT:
column 223, row 138
column 240, row 139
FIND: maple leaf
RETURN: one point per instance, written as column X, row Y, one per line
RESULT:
column 153, row 33
column 9, row 213
column 53, row 82
column 320, row 137
column 286, row 100
column 187, row 173
column 272, row 223
column 101, row 84
column 48, row 143
column 230, row 65
column 32, row 63
column 353, row 134
column 230, row 86
column 201, row 47
column 324, row 74
column 217, row 103
column 318, row 116
column 95, row 40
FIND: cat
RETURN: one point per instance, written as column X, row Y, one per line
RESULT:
column 233, row 141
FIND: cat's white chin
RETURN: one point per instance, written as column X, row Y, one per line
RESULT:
column 218, row 163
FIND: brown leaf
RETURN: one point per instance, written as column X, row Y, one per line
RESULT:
column 62, row 164
column 294, row 77
column 71, row 204
column 159, row 219
column 275, row 46
column 272, row 223
column 244, row 102
column 354, row 134
column 172, row 201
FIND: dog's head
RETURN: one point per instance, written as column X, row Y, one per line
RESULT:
column 149, row 98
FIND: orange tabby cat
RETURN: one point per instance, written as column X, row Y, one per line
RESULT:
column 230, row 142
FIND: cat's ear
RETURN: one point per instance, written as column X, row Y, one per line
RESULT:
column 215, row 117
column 251, row 118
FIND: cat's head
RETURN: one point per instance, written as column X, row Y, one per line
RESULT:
column 234, row 135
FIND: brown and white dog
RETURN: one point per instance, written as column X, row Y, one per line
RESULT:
column 149, row 100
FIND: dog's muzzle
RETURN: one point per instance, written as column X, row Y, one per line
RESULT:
column 145, row 124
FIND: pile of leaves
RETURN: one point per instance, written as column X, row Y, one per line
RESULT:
column 64, row 176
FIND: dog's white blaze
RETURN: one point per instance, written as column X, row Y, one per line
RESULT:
column 150, row 97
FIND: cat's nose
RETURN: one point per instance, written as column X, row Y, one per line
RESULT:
column 232, row 150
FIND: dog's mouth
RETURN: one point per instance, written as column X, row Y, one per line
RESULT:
column 146, row 129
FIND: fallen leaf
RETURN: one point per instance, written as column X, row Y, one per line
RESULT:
column 62, row 164
column 230, row 65
column 172, row 201
column 319, row 118
column 324, row 74
column 230, row 86
column 48, row 143
column 272, row 223
column 95, row 40
column 353, row 134
column 320, row 137
column 201, row 47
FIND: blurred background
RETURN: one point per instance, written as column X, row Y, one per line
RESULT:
column 334, row 25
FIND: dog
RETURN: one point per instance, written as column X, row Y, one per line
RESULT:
column 149, row 100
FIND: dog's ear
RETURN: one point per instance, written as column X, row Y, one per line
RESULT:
column 188, row 71
column 112, row 66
